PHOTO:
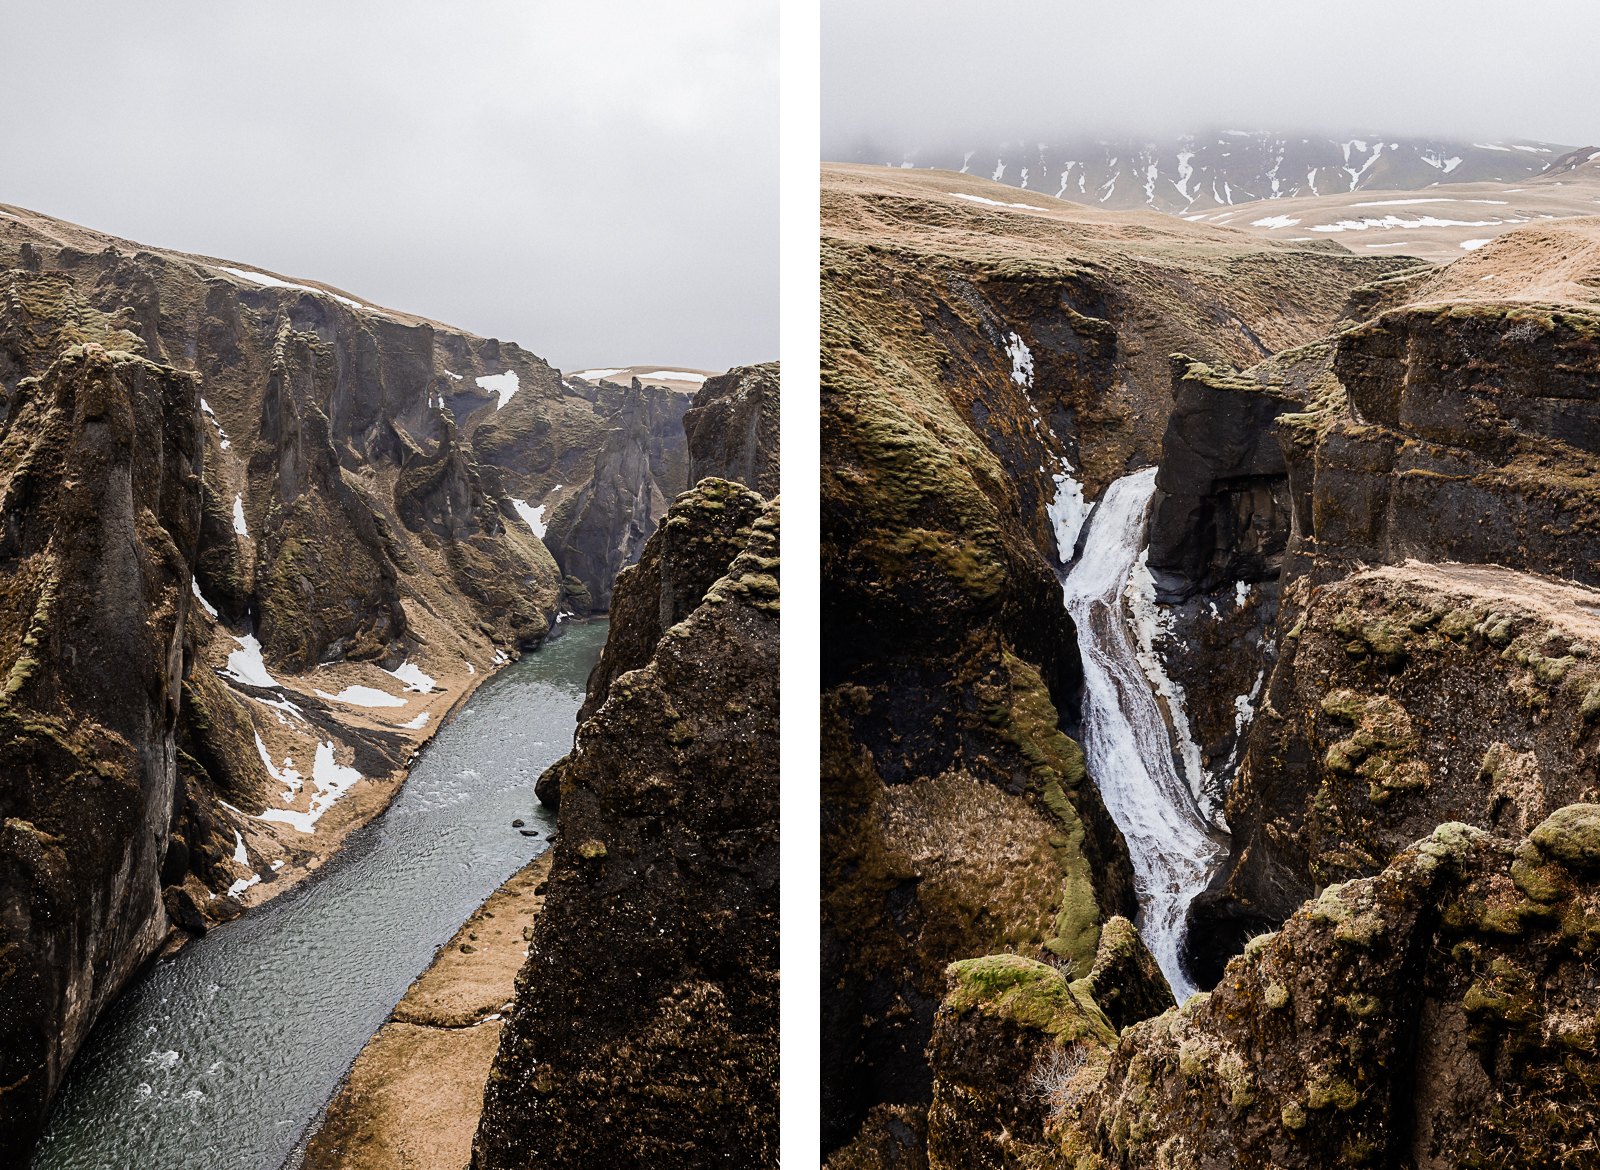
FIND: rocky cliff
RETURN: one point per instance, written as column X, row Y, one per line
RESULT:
column 732, row 428
column 1453, row 441
column 259, row 537
column 1440, row 1013
column 599, row 528
column 101, row 505
column 644, row 1030
column 989, row 367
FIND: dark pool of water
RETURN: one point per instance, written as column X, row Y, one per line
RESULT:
column 221, row 1057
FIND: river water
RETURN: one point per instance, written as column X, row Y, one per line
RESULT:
column 1126, row 739
column 219, row 1058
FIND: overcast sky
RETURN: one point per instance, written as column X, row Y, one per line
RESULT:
column 595, row 181
column 943, row 72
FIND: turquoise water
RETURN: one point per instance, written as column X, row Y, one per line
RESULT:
column 220, row 1058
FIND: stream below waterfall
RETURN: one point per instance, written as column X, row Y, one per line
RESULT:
column 1126, row 739
column 219, row 1058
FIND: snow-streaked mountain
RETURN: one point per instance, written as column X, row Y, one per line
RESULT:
column 1192, row 173
column 1439, row 225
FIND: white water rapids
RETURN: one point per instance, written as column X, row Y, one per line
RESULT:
column 1125, row 737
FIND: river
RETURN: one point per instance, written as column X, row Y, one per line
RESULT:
column 1126, row 740
column 219, row 1058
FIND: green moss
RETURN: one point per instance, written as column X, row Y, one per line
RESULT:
column 591, row 849
column 1028, row 721
column 1331, row 1092
column 1571, row 836
column 1276, row 996
column 1293, row 1116
column 1028, row 993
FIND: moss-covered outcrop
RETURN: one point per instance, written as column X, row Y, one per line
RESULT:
column 1010, row 1038
column 1440, row 1014
column 644, row 1030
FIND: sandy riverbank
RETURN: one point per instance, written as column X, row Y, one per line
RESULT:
column 411, row 1100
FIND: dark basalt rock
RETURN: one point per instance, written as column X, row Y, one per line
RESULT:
column 642, row 465
column 698, row 539
column 101, row 514
column 733, row 428
column 645, row 1025
column 1221, row 512
column 1451, row 433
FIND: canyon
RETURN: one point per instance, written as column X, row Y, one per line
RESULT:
column 262, row 540
column 1236, row 806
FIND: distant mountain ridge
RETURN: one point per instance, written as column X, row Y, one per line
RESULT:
column 1191, row 173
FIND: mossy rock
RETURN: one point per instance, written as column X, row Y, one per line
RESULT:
column 1028, row 993
column 1572, row 836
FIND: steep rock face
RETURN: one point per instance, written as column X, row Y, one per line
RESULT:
column 1008, row 1040
column 1441, row 433
column 645, row 1025
column 733, row 428
column 694, row 551
column 101, row 512
column 600, row 529
column 984, row 370
column 1440, row 1014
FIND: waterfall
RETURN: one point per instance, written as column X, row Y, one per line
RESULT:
column 1125, row 738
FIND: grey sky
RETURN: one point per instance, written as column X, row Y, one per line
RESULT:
column 932, row 72
column 596, row 181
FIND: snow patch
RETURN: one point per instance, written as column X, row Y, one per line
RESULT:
column 1394, row 221
column 239, row 525
column 331, row 779
column 204, row 604
column 673, row 376
column 505, row 385
column 532, row 517
column 597, row 375
column 291, row 779
column 273, row 282
column 1276, row 221
column 1068, row 511
column 245, row 664
column 222, row 435
column 994, row 202
column 1021, row 360
column 418, row 723
column 414, row 677
column 1473, row 245
column 358, row 696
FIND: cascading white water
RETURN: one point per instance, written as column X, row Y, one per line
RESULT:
column 1126, row 739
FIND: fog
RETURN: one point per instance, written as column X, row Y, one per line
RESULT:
column 941, row 73
column 595, row 182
